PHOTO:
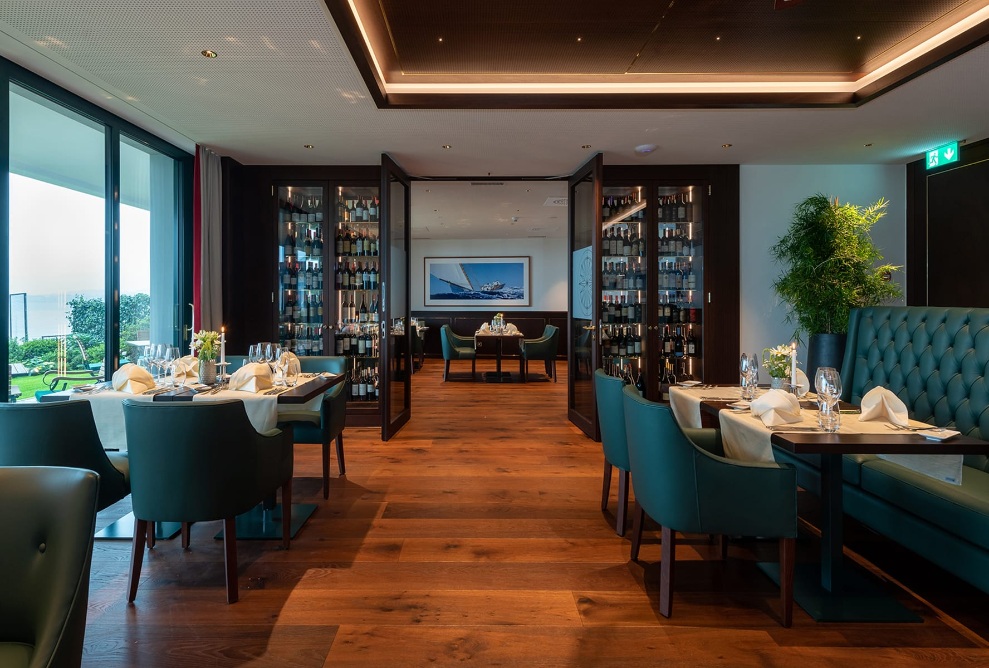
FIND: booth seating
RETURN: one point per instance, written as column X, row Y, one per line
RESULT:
column 935, row 360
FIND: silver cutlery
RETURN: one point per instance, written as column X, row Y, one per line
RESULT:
column 900, row 427
column 783, row 427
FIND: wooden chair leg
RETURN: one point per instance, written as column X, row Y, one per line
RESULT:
column 340, row 463
column 326, row 467
column 185, row 534
column 638, row 519
column 666, row 572
column 553, row 367
column 136, row 557
column 446, row 369
column 150, row 537
column 286, row 513
column 606, row 486
column 622, row 511
column 230, row 557
column 788, row 549
column 524, row 369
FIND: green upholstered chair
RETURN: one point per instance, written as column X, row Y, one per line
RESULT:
column 234, row 362
column 611, row 419
column 62, row 433
column 544, row 348
column 685, row 488
column 457, row 347
column 47, row 520
column 193, row 462
column 328, row 422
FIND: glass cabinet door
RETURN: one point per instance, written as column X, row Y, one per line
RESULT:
column 679, row 284
column 301, row 212
column 357, row 278
column 624, row 281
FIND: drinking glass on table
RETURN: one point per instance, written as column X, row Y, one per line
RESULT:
column 827, row 382
column 168, row 365
column 292, row 371
column 745, row 369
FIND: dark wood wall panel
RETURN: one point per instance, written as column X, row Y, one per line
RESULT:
column 530, row 323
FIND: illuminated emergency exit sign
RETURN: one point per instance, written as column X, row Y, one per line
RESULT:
column 942, row 155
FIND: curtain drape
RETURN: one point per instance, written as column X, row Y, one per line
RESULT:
column 209, row 301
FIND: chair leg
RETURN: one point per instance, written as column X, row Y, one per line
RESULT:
column 553, row 367
column 666, row 569
column 150, row 537
column 186, row 526
column 446, row 369
column 340, row 463
column 136, row 557
column 286, row 513
column 622, row 511
column 606, row 487
column 639, row 518
column 230, row 557
column 788, row 549
column 524, row 369
column 326, row 467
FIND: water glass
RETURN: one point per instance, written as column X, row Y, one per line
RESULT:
column 292, row 371
column 829, row 418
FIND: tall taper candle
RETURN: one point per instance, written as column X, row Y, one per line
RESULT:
column 223, row 350
column 793, row 364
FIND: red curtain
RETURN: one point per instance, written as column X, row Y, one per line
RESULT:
column 197, row 243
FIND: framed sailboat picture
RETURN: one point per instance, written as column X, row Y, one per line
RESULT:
column 477, row 281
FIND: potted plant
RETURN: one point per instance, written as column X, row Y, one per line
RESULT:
column 206, row 344
column 830, row 266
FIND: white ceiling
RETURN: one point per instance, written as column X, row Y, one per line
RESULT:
column 283, row 79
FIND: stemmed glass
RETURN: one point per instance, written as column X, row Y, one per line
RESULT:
column 745, row 365
column 827, row 382
column 158, row 360
column 171, row 354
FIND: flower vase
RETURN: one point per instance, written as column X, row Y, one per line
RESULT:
column 778, row 383
column 207, row 372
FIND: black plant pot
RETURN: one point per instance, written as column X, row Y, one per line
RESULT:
column 824, row 350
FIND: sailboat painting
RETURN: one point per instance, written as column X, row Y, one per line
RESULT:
column 477, row 281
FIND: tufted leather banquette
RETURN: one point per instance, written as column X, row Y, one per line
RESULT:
column 935, row 360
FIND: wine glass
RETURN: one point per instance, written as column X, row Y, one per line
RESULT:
column 168, row 365
column 753, row 375
column 827, row 382
column 745, row 372
column 158, row 360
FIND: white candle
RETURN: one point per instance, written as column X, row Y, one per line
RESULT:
column 793, row 364
column 223, row 350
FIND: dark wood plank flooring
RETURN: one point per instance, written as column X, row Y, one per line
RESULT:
column 475, row 537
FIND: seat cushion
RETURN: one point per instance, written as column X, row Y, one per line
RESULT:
column 15, row 654
column 311, row 417
column 120, row 462
column 464, row 352
column 961, row 509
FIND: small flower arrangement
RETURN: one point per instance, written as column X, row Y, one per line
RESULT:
column 777, row 361
column 206, row 343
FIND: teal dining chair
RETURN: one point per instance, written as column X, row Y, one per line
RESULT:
column 611, row 420
column 685, row 488
column 456, row 347
column 543, row 348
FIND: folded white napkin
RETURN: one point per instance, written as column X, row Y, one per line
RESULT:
column 777, row 407
column 803, row 383
column 186, row 370
column 511, row 329
column 132, row 379
column 881, row 404
column 252, row 377
column 484, row 327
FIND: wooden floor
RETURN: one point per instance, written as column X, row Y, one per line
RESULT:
column 475, row 537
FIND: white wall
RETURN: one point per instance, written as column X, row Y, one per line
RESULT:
column 769, row 194
column 547, row 267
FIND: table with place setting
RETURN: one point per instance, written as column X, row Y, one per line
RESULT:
column 499, row 335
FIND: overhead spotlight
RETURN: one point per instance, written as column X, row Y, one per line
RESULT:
column 209, row 53
column 726, row 146
column 585, row 145
column 307, row 146
column 446, row 146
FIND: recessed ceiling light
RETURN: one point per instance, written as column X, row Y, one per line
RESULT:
column 645, row 149
column 580, row 39
column 858, row 37
column 585, row 145
column 718, row 38
column 868, row 145
column 446, row 146
column 209, row 53
column 440, row 39
column 307, row 146
column 726, row 146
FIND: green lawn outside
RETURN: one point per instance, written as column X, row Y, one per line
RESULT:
column 29, row 384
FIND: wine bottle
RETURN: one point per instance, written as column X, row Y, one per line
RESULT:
column 289, row 244
column 307, row 245
column 362, row 314
column 374, row 276
column 317, row 246
column 373, row 211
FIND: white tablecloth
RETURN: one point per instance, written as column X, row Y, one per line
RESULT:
column 108, row 410
column 686, row 402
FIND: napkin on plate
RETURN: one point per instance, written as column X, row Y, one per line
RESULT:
column 186, row 370
column 803, row 383
column 776, row 407
column 484, row 327
column 881, row 404
column 252, row 377
column 132, row 379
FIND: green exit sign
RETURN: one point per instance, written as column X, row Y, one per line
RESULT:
column 942, row 155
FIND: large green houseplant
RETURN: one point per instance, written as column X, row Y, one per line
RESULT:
column 830, row 266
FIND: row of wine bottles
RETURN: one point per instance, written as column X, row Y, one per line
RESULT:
column 356, row 341
column 301, row 339
column 357, row 243
column 671, row 310
column 302, row 309
column 296, row 276
column 673, row 370
column 311, row 244
column 622, row 342
column 676, row 241
column 677, row 276
column 366, row 312
column 363, row 383
column 358, row 210
column 678, row 344
column 357, row 277
column 625, row 242
column 675, row 208
column 614, row 207
column 623, row 275
column 620, row 310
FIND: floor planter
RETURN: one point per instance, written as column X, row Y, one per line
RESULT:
column 824, row 350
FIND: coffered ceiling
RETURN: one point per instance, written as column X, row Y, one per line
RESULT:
column 285, row 76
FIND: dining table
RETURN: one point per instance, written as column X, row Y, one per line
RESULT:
column 263, row 408
column 831, row 591
column 499, row 338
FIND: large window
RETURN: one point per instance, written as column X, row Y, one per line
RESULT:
column 97, row 242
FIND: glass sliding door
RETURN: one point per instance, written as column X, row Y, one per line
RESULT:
column 57, row 264
column 149, row 237
column 396, row 314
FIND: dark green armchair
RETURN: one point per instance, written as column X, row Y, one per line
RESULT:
column 611, row 419
column 47, row 520
column 328, row 422
column 685, row 488
column 544, row 348
column 62, row 433
column 457, row 347
column 196, row 462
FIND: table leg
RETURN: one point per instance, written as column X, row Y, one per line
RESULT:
column 832, row 523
